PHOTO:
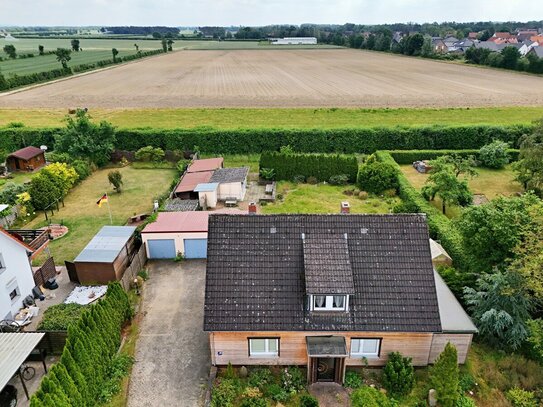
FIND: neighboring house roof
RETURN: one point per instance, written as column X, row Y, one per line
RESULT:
column 438, row 251
column 492, row 46
column 181, row 205
column 225, row 175
column 184, row 222
column 20, row 242
column 255, row 278
column 538, row 51
column 207, row 164
column 191, row 179
column 27, row 153
column 106, row 245
column 207, row 187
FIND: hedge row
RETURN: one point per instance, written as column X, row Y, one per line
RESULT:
column 410, row 156
column 16, row 81
column 321, row 166
column 77, row 379
column 441, row 227
column 246, row 141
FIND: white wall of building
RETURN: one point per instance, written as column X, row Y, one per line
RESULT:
column 208, row 198
column 177, row 237
column 294, row 41
column 232, row 190
column 15, row 274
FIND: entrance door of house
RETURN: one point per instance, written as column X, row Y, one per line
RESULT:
column 326, row 369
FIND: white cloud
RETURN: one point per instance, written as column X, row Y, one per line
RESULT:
column 258, row 12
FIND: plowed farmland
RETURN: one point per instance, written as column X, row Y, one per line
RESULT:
column 285, row 78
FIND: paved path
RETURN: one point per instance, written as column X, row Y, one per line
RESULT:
column 172, row 353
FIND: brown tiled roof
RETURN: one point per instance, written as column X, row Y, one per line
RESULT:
column 27, row 153
column 207, row 164
column 191, row 179
column 256, row 280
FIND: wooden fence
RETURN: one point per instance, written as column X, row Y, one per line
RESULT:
column 136, row 265
column 45, row 272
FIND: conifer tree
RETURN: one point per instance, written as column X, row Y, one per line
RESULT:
column 444, row 377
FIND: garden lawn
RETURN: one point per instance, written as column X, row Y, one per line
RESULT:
column 18, row 178
column 324, row 198
column 83, row 216
column 491, row 183
column 281, row 118
column 239, row 160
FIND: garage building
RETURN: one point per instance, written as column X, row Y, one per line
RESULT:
column 179, row 232
column 232, row 183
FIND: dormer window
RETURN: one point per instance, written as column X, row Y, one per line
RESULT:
column 329, row 303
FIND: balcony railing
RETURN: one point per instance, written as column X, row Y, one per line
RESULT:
column 36, row 239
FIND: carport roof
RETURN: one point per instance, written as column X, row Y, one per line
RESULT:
column 14, row 349
column 207, row 164
column 192, row 179
column 206, row 187
column 106, row 244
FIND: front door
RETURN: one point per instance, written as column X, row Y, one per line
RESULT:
column 326, row 369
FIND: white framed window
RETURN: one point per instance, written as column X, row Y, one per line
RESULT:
column 368, row 347
column 264, row 347
column 329, row 302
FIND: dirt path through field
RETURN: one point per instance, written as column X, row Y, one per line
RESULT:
column 286, row 78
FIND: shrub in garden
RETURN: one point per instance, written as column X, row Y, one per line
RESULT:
column 276, row 393
column 341, row 179
column 352, row 380
column 116, row 179
column 64, row 174
column 494, row 155
column 312, row 180
column 363, row 195
column 267, row 174
column 465, row 401
column 298, row 179
column 535, row 339
column 522, row 398
column 59, row 317
column 254, row 402
column 82, row 168
column 377, row 177
column 398, row 375
column 370, row 397
column 292, row 379
column 260, row 377
column 307, row 400
column 150, row 154
column 444, row 376
column 182, row 165
column 224, row 393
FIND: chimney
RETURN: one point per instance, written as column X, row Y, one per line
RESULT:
column 252, row 208
column 345, row 207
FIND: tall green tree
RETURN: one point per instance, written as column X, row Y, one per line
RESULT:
column 500, row 307
column 529, row 167
column 83, row 139
column 115, row 52
column 75, row 45
column 11, row 51
column 444, row 377
column 443, row 183
column 398, row 375
column 44, row 191
column 511, row 56
column 164, row 44
column 41, row 49
column 492, row 231
column 63, row 56
column 116, row 179
column 170, row 45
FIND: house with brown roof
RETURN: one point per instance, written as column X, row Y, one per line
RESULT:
column 503, row 38
column 326, row 292
column 26, row 159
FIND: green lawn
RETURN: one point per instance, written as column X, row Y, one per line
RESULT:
column 281, row 118
column 84, row 218
column 322, row 198
column 239, row 160
column 491, row 183
column 18, row 178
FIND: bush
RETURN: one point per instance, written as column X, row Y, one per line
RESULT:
column 224, row 393
column 465, row 401
column 320, row 166
column 307, row 400
column 292, row 379
column 82, row 168
column 535, row 339
column 267, row 173
column 370, row 397
column 377, row 176
column 398, row 375
column 353, row 380
column 276, row 393
column 260, row 377
column 494, row 155
column 298, row 179
column 8, row 194
column 254, row 402
column 150, row 154
column 466, row 382
column 182, row 165
column 342, row 179
column 521, row 398
column 363, row 195
column 312, row 180
column 59, row 317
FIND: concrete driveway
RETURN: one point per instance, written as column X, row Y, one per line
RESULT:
column 172, row 353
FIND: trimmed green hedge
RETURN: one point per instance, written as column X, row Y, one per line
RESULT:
column 441, row 227
column 59, row 317
column 320, row 166
column 410, row 156
column 246, row 141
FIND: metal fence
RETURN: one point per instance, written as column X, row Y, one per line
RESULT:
column 136, row 265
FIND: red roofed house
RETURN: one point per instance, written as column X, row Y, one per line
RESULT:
column 26, row 159
column 538, row 39
column 503, row 38
column 179, row 232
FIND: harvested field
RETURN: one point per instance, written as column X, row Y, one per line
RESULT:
column 286, row 78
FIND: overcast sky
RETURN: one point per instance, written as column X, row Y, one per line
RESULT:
column 260, row 12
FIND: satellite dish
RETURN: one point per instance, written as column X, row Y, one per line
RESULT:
column 44, row 148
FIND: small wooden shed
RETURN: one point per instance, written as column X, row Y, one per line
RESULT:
column 107, row 255
column 26, row 159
